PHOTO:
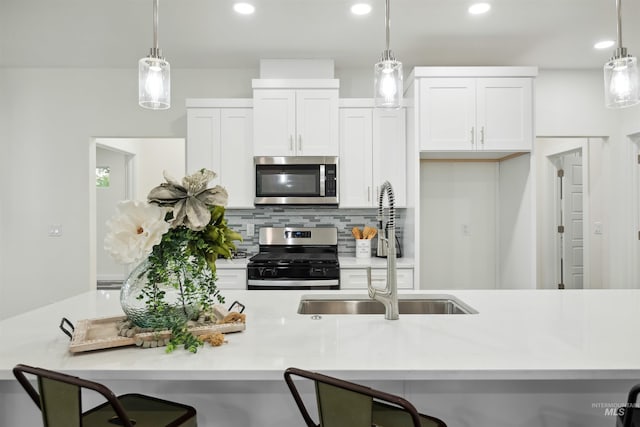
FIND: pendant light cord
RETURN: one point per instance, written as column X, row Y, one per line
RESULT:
column 619, row 10
column 155, row 25
column 388, row 23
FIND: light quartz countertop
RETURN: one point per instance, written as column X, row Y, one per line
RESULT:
column 516, row 335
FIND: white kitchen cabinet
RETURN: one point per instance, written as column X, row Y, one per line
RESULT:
column 231, row 278
column 221, row 139
column 356, row 278
column 476, row 114
column 372, row 150
column 295, row 122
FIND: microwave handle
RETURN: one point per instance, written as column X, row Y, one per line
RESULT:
column 323, row 178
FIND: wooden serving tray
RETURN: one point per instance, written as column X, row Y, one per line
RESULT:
column 103, row 333
column 98, row 334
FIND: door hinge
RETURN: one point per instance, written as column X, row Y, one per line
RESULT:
column 560, row 173
column 561, row 229
column 639, row 159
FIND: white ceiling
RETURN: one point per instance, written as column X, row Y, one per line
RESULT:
column 207, row 33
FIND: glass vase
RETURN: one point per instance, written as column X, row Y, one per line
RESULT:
column 156, row 304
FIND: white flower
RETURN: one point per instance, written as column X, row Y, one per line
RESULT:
column 134, row 230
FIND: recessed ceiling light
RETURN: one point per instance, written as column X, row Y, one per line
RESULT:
column 244, row 8
column 479, row 8
column 604, row 44
column 361, row 9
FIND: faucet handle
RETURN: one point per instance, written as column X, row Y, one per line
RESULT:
column 370, row 288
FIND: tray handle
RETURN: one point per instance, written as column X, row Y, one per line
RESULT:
column 64, row 322
column 238, row 303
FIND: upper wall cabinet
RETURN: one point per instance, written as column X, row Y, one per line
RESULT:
column 372, row 150
column 475, row 109
column 220, row 138
column 295, row 117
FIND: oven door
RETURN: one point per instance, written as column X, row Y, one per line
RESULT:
column 301, row 285
column 299, row 277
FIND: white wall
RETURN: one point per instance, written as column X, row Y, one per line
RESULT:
column 54, row 114
column 4, row 177
column 516, row 229
column 458, row 229
column 571, row 103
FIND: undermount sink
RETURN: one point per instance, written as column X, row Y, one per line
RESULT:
column 407, row 304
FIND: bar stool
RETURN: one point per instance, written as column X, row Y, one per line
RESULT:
column 345, row 404
column 60, row 401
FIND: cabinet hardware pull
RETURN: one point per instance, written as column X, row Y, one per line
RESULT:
column 290, row 142
column 482, row 136
column 299, row 142
column 473, row 136
column 368, row 193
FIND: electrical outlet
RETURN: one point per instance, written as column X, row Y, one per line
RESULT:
column 251, row 229
column 597, row 227
column 466, row 230
column 55, row 230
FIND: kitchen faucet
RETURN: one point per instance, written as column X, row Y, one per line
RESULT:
column 389, row 295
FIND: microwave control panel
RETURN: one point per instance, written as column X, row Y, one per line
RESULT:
column 330, row 187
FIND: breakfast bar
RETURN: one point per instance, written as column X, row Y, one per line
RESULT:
column 526, row 357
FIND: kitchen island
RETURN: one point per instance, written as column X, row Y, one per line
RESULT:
column 527, row 358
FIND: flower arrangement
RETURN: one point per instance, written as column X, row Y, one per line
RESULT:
column 177, row 235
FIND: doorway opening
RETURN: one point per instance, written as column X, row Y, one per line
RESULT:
column 565, row 209
column 124, row 169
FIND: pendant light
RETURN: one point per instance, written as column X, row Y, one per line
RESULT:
column 388, row 75
column 154, row 83
column 621, row 86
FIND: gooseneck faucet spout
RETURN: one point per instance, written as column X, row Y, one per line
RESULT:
column 389, row 295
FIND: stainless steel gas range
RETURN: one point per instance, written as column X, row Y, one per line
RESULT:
column 295, row 258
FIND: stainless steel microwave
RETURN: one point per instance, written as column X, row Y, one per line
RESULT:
column 296, row 180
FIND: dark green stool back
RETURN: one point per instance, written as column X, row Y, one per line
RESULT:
column 630, row 415
column 345, row 404
column 59, row 398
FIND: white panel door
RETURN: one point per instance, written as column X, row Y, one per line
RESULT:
column 236, row 163
column 317, row 122
column 447, row 114
column 203, row 140
column 390, row 153
column 573, row 219
column 355, row 177
column 504, row 114
column 274, row 122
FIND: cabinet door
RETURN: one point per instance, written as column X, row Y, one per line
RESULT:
column 274, row 122
column 357, row 278
column 203, row 140
column 231, row 278
column 504, row 113
column 447, row 114
column 317, row 122
column 355, row 177
column 236, row 163
column 390, row 153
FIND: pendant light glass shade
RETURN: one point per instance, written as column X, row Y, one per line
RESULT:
column 621, row 78
column 154, row 83
column 621, row 87
column 387, row 83
column 154, row 80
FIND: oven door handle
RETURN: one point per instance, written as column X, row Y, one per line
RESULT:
column 291, row 283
